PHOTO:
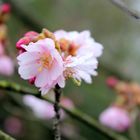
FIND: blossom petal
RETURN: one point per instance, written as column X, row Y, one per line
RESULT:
column 28, row 71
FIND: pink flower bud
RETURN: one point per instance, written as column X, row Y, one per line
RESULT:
column 22, row 41
column 6, row 66
column 5, row 8
column 31, row 34
column 22, row 50
column 32, row 80
column 111, row 81
column 116, row 118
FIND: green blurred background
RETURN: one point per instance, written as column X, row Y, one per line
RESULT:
column 118, row 33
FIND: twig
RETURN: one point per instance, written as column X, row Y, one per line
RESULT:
column 4, row 136
column 57, row 92
column 126, row 9
column 75, row 113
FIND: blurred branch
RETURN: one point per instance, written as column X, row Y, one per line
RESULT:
column 120, row 4
column 4, row 136
column 75, row 113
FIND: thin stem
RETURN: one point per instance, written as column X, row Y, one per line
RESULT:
column 56, row 127
column 75, row 113
column 120, row 4
column 4, row 136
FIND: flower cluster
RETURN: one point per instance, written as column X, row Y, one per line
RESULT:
column 47, row 59
column 6, row 63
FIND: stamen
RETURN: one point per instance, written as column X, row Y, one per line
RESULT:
column 46, row 61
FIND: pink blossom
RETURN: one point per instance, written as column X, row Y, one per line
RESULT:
column 81, row 67
column 116, row 118
column 42, row 61
column 41, row 109
column 6, row 65
column 81, row 62
column 83, row 42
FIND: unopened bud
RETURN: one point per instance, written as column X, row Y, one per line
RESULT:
column 116, row 118
column 32, row 80
column 22, row 41
column 112, row 81
column 5, row 8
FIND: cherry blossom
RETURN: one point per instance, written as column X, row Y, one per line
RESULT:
column 116, row 118
column 42, row 61
column 47, row 59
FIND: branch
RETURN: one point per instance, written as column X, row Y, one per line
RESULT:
column 58, row 93
column 4, row 136
column 75, row 113
column 126, row 9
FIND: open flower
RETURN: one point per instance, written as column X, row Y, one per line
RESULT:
column 80, row 67
column 116, row 118
column 42, row 61
column 80, row 52
column 79, row 43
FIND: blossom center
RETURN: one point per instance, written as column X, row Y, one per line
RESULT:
column 68, row 47
column 68, row 73
column 46, row 61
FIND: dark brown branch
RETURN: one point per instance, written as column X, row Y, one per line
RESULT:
column 56, row 127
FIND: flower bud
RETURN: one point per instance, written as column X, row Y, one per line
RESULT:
column 5, row 8
column 31, row 34
column 22, row 41
column 111, row 81
column 115, row 118
column 32, row 80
